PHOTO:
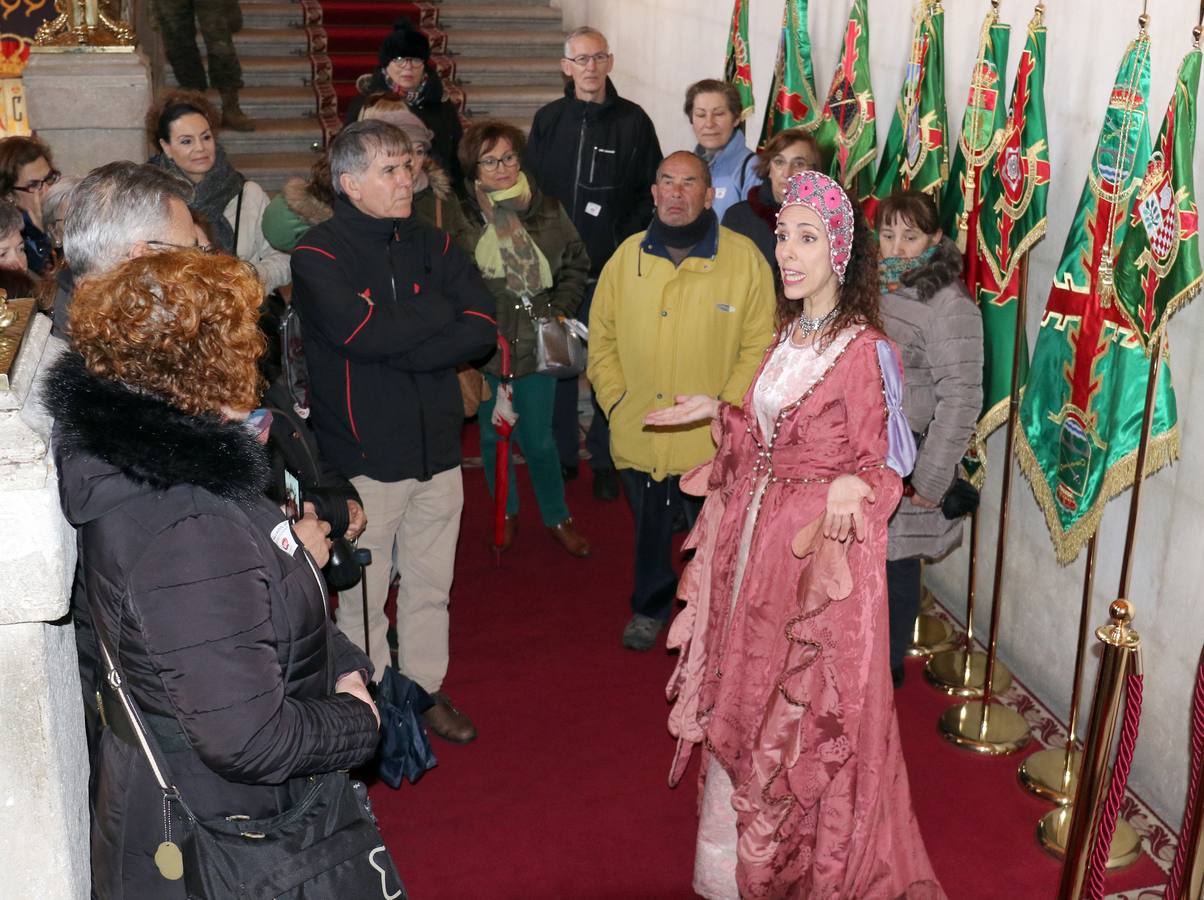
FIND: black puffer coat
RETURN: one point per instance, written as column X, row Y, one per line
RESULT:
column 220, row 616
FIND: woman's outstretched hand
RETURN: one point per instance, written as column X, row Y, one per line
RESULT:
column 687, row 409
column 844, row 515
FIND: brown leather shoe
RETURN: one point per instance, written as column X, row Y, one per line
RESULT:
column 570, row 538
column 449, row 723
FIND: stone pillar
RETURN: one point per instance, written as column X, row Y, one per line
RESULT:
column 89, row 106
column 43, row 753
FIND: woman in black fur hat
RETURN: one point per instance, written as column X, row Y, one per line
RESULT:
column 406, row 71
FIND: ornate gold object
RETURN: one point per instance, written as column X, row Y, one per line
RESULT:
column 1119, row 657
column 85, row 25
column 988, row 728
column 963, row 674
column 15, row 316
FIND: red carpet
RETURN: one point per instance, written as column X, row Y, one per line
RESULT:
column 563, row 795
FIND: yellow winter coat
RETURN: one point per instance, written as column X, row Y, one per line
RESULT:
column 657, row 331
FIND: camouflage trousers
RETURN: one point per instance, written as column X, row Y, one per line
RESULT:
column 217, row 20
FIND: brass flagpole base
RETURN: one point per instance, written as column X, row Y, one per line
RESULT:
column 1054, row 829
column 1045, row 774
column 948, row 672
column 930, row 635
column 1006, row 730
column 927, row 600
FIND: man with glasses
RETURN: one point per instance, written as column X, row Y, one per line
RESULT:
column 597, row 154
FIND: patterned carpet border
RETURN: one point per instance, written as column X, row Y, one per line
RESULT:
column 1157, row 838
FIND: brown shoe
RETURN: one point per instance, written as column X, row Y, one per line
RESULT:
column 449, row 723
column 570, row 538
column 509, row 530
column 232, row 115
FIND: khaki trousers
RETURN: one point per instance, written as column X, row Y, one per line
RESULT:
column 413, row 527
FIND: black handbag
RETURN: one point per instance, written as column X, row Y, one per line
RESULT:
column 325, row 847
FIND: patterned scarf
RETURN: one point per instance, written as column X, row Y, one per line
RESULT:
column 892, row 269
column 505, row 250
column 212, row 194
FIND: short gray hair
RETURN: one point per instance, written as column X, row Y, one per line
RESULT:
column 113, row 208
column 354, row 148
column 583, row 31
column 58, row 200
column 10, row 218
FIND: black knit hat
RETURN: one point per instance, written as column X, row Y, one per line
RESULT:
column 406, row 42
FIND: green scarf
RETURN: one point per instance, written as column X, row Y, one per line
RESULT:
column 506, row 250
column 892, row 269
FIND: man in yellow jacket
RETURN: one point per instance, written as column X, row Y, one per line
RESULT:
column 686, row 307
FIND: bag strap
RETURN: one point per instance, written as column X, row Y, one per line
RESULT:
column 237, row 219
column 129, row 706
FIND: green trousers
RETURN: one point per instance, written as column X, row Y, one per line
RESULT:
column 178, row 23
column 533, row 399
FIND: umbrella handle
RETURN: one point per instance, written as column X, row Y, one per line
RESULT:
column 364, row 558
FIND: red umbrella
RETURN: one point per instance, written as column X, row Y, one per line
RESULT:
column 501, row 464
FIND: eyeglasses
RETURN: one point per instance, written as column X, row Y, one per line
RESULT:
column 584, row 59
column 38, row 183
column 207, row 249
column 407, row 62
column 489, row 163
column 793, row 166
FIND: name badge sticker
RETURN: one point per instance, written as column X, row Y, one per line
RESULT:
column 592, row 209
column 283, row 537
column 720, row 193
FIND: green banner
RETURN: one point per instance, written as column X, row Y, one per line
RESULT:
column 1080, row 419
column 917, row 146
column 792, row 102
column 1158, row 269
column 849, row 109
column 737, row 69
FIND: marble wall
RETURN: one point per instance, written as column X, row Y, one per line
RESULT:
column 662, row 45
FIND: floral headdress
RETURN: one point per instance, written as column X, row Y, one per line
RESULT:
column 817, row 191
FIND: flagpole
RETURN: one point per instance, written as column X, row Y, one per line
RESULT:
column 1147, row 419
column 986, row 725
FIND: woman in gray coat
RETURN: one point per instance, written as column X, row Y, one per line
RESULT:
column 927, row 311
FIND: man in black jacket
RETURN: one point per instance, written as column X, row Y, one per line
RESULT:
column 597, row 154
column 388, row 308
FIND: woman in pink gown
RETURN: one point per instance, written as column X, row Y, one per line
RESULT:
column 783, row 675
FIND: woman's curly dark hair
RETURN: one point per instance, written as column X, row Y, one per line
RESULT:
column 858, row 301
column 182, row 325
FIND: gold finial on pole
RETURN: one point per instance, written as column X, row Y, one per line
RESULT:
column 1143, row 21
column 1199, row 29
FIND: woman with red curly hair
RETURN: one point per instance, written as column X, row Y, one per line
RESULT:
column 783, row 675
column 213, row 599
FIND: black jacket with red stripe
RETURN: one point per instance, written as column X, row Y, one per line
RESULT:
column 388, row 308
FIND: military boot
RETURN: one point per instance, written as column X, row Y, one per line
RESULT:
column 232, row 116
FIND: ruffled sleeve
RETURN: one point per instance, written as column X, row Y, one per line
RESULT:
column 901, row 443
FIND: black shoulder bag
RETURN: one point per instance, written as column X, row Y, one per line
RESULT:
column 326, row 847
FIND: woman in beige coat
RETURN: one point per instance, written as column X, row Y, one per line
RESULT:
column 928, row 313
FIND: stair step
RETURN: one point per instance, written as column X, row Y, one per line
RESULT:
column 498, row 15
column 271, row 42
column 458, row 3
column 268, row 70
column 510, row 100
column 474, row 71
column 272, row 170
column 272, row 14
column 498, row 42
column 274, row 101
column 291, row 135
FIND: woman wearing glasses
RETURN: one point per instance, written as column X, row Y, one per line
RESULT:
column 406, row 72
column 26, row 173
column 786, row 153
column 535, row 264
column 184, row 127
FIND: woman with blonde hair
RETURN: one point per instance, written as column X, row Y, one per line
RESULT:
column 210, row 596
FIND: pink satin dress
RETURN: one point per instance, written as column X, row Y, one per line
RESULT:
column 783, row 676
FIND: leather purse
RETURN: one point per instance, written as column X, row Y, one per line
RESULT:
column 559, row 344
column 325, row 847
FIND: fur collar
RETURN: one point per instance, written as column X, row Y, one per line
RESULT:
column 440, row 182
column 944, row 269
column 303, row 203
column 150, row 441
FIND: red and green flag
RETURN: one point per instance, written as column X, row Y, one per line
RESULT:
column 1080, row 418
column 917, row 146
column 737, row 69
column 1158, row 269
column 1009, row 220
column 849, row 109
column 792, row 102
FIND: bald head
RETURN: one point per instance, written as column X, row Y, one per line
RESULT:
column 682, row 190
